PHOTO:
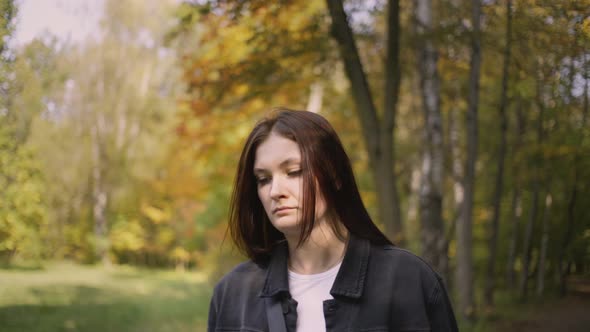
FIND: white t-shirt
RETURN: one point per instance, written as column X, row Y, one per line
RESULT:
column 310, row 291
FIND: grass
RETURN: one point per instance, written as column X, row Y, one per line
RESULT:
column 70, row 297
column 550, row 312
column 507, row 308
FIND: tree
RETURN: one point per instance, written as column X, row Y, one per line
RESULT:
column 378, row 135
column 7, row 15
column 253, row 54
column 104, row 127
column 433, row 239
column 501, row 155
column 22, row 208
column 464, row 273
column 287, row 54
column 566, row 243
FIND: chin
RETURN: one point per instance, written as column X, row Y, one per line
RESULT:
column 287, row 227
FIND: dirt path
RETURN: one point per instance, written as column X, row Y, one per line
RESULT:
column 571, row 314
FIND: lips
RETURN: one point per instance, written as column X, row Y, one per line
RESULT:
column 282, row 209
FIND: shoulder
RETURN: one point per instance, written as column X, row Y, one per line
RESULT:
column 244, row 274
column 397, row 255
column 247, row 267
column 402, row 264
column 236, row 292
column 417, row 289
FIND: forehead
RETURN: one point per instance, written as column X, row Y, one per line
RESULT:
column 275, row 150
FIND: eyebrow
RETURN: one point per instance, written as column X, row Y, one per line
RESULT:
column 284, row 163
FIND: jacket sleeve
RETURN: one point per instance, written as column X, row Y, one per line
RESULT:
column 440, row 311
column 212, row 320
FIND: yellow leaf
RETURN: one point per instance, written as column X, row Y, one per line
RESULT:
column 154, row 214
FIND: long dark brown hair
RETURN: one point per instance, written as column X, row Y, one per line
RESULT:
column 323, row 161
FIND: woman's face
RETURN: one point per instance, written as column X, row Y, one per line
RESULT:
column 277, row 168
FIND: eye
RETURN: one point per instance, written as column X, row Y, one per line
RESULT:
column 294, row 173
column 262, row 180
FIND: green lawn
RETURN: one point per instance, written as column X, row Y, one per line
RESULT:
column 69, row 297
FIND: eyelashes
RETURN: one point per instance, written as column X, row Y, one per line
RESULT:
column 294, row 173
column 262, row 180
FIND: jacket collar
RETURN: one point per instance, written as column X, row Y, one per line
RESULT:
column 350, row 279
column 277, row 280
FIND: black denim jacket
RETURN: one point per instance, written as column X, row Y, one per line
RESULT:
column 378, row 288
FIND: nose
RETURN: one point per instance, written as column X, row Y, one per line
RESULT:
column 276, row 188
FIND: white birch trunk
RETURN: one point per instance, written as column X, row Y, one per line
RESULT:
column 432, row 232
column 316, row 94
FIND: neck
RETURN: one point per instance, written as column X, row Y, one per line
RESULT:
column 320, row 252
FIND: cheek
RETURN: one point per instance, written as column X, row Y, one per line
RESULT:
column 262, row 197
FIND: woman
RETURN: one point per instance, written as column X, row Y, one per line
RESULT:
column 317, row 260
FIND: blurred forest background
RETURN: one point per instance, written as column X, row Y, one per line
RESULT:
column 466, row 121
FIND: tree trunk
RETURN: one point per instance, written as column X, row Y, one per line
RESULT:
column 98, row 127
column 100, row 198
column 412, row 210
column 527, row 244
column 499, row 183
column 516, row 208
column 413, row 224
column 379, row 139
column 571, row 206
column 454, row 149
column 544, row 244
column 464, row 270
column 516, row 202
column 316, row 94
column 528, row 235
column 432, row 233
column 391, row 88
column 457, row 171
